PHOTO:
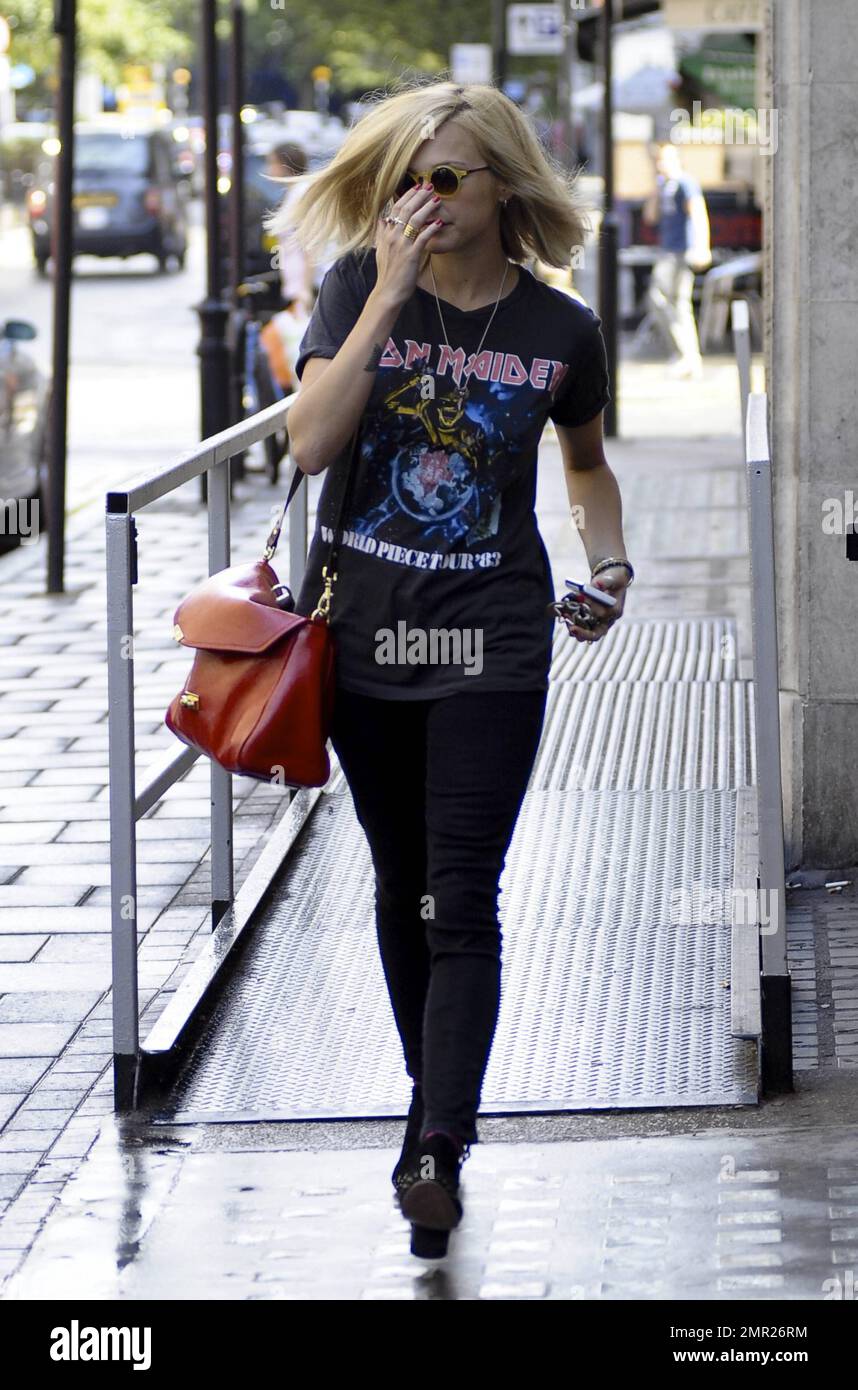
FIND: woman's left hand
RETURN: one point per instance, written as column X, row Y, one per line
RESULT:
column 614, row 582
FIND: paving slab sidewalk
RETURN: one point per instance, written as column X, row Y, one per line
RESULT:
column 55, row 1021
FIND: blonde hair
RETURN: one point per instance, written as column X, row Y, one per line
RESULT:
column 546, row 216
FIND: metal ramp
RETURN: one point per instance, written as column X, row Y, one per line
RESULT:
column 615, row 908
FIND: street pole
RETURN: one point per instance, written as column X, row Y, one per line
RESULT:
column 499, row 41
column 564, row 87
column 65, row 23
column 213, row 310
column 608, row 258
column 236, row 210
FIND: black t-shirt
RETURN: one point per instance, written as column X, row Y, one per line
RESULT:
column 443, row 578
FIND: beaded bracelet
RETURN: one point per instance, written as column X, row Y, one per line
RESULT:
column 609, row 563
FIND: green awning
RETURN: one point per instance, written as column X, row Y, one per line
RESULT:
column 725, row 75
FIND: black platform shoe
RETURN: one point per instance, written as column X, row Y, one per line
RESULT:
column 410, row 1141
column 432, row 1203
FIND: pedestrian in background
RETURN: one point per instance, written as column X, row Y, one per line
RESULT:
column 678, row 208
column 300, row 274
column 297, row 270
column 432, row 336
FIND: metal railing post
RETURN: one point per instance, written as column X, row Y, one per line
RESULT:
column 741, row 320
column 211, row 457
column 221, row 780
column 121, row 573
column 775, row 979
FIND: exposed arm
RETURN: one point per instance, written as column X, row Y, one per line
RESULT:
column 334, row 391
column 593, row 492
column 594, row 497
column 700, row 251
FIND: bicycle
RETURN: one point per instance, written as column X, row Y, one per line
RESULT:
column 259, row 299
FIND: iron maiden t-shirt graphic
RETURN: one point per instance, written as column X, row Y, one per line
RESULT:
column 425, row 465
column 447, row 461
column 441, row 532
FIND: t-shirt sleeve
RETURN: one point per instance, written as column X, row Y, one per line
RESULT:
column 585, row 390
column 342, row 295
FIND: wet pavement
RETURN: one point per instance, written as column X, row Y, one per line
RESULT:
column 226, row 1215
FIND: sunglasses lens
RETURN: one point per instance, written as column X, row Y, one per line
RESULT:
column 444, row 181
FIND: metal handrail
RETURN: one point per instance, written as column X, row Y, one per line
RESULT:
column 741, row 323
column 218, row 448
column 774, row 971
column 127, row 805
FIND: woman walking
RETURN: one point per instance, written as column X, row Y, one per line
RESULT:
column 431, row 336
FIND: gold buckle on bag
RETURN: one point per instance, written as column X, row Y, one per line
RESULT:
column 323, row 607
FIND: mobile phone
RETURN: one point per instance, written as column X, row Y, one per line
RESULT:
column 571, row 607
column 589, row 591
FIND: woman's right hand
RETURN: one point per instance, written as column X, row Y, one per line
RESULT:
column 401, row 259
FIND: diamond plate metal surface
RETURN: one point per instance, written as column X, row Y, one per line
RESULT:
column 606, row 1001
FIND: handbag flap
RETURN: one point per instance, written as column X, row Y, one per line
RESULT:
column 235, row 611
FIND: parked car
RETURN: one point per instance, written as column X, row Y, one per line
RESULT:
column 185, row 157
column 20, row 156
column 319, row 133
column 197, row 145
column 24, row 397
column 129, row 196
column 261, row 193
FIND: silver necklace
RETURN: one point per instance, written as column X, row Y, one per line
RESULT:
column 463, row 391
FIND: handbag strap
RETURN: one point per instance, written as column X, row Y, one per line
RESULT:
column 323, row 607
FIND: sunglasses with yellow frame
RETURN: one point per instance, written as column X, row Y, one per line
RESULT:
column 446, row 179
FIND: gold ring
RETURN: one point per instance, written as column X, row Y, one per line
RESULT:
column 411, row 231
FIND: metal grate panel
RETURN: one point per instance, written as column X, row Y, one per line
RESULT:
column 609, row 999
column 647, row 735
column 684, row 649
column 606, row 1002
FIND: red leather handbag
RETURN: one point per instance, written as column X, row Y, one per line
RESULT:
column 259, row 696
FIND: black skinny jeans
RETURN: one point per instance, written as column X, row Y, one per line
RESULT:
column 437, row 786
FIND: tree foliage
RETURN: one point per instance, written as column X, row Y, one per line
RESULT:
column 111, row 34
column 367, row 43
